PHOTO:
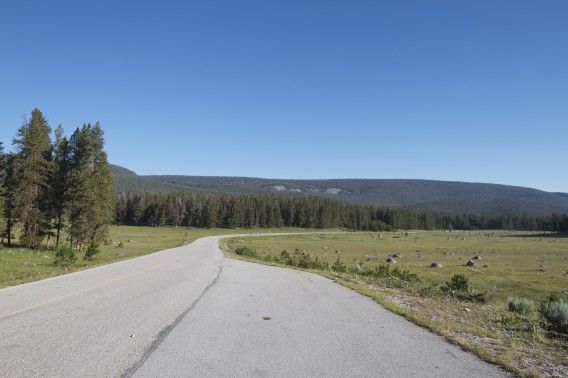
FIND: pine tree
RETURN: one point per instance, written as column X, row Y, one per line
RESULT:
column 90, row 187
column 33, row 170
column 2, row 188
column 9, row 198
column 60, row 181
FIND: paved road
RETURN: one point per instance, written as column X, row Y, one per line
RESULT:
column 100, row 322
column 173, row 314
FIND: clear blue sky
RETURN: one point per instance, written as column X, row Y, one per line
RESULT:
column 472, row 91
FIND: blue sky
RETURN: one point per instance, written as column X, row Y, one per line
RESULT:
column 473, row 91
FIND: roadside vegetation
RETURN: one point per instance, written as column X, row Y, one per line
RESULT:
column 509, row 306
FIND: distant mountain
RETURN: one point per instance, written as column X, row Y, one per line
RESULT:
column 419, row 194
column 121, row 171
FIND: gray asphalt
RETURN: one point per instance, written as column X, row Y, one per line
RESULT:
column 189, row 312
column 262, row 321
column 100, row 322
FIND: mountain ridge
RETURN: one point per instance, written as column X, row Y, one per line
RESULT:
column 435, row 195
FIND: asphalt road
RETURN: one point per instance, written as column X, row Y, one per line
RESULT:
column 189, row 312
column 100, row 322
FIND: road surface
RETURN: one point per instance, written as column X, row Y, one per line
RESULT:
column 189, row 312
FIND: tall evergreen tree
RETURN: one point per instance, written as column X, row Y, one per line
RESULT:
column 60, row 182
column 9, row 198
column 90, row 187
column 33, row 170
column 2, row 188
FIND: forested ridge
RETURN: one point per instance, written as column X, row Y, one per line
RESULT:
column 444, row 196
column 271, row 210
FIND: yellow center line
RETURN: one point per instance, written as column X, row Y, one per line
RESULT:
column 60, row 299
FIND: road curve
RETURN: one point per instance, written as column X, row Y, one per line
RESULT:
column 187, row 312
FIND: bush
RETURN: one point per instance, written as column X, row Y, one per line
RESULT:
column 286, row 259
column 459, row 288
column 556, row 313
column 524, row 306
column 405, row 275
column 92, row 251
column 65, row 255
column 383, row 270
column 459, row 283
column 338, row 266
column 306, row 262
column 246, row 251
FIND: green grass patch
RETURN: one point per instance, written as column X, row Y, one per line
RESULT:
column 508, row 264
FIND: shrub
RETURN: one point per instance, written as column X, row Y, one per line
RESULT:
column 92, row 251
column 306, row 262
column 286, row 259
column 246, row 251
column 556, row 313
column 405, row 275
column 65, row 255
column 338, row 266
column 459, row 288
column 383, row 270
column 458, row 283
column 524, row 306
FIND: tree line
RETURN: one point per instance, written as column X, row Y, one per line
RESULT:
column 47, row 186
column 209, row 210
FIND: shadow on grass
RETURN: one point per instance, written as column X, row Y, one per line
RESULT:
column 543, row 235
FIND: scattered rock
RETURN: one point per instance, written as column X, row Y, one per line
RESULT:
column 130, row 241
column 419, row 250
column 337, row 251
column 436, row 265
column 470, row 263
column 28, row 263
column 121, row 254
column 372, row 258
column 391, row 261
column 397, row 255
column 467, row 309
column 477, row 257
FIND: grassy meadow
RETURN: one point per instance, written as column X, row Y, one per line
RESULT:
column 515, row 263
